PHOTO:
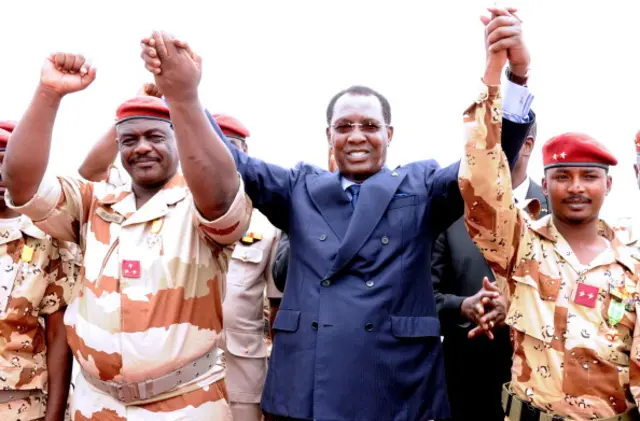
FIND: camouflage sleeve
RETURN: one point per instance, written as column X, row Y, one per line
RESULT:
column 231, row 226
column 58, row 207
column 272, row 290
column 492, row 220
column 62, row 274
column 634, row 363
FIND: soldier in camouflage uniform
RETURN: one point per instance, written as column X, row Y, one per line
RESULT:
column 146, row 326
column 37, row 277
column 569, row 285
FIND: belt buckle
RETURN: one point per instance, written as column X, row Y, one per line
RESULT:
column 129, row 392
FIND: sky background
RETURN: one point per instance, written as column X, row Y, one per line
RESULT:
column 275, row 65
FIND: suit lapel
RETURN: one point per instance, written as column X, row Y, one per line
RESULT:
column 375, row 195
column 333, row 203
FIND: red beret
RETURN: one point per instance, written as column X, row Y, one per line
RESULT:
column 638, row 142
column 4, row 139
column 231, row 126
column 576, row 150
column 143, row 107
column 8, row 125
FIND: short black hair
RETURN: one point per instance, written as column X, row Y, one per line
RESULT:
column 363, row 91
column 533, row 130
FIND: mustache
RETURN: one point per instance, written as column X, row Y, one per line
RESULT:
column 143, row 158
column 576, row 199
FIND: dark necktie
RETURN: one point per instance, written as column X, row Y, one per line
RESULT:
column 354, row 190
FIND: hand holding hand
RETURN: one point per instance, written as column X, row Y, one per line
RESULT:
column 503, row 40
column 176, row 68
column 473, row 308
column 494, row 312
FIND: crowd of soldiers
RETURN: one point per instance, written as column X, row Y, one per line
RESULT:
column 419, row 293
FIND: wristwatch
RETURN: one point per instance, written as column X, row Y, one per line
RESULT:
column 518, row 80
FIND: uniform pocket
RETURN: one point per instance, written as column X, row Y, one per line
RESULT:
column 287, row 320
column 246, row 344
column 247, row 254
column 532, row 314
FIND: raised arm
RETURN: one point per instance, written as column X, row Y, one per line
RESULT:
column 56, row 206
column 203, row 155
column 492, row 220
column 98, row 161
column 503, row 32
column 27, row 154
column 267, row 185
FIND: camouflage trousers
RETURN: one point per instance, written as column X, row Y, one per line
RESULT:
column 30, row 409
column 208, row 403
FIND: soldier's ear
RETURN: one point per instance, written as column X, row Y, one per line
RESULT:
column 545, row 189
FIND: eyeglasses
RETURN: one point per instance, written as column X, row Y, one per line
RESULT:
column 348, row 127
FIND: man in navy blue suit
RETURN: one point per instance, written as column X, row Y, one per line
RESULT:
column 357, row 336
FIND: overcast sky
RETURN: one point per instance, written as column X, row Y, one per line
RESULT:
column 275, row 65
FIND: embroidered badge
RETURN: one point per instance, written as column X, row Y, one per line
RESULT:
column 109, row 217
column 586, row 295
column 131, row 269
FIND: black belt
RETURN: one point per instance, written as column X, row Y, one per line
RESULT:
column 518, row 410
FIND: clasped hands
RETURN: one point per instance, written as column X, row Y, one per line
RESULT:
column 487, row 309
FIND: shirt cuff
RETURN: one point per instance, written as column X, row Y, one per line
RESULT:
column 516, row 103
column 231, row 226
column 40, row 206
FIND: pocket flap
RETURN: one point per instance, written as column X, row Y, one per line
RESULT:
column 414, row 327
column 531, row 315
column 246, row 344
column 247, row 254
column 287, row 320
column 402, row 200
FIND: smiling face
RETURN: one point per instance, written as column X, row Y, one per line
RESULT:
column 576, row 193
column 358, row 136
column 148, row 151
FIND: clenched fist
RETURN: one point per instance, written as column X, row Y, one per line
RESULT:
column 176, row 69
column 65, row 73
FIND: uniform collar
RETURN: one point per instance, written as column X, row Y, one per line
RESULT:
column 627, row 256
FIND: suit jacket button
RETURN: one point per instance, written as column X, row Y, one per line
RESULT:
column 323, row 237
column 314, row 325
column 385, row 240
column 369, row 283
column 326, row 283
column 368, row 327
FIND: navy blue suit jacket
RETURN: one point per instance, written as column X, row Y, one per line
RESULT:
column 357, row 336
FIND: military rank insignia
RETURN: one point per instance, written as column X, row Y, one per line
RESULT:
column 250, row 238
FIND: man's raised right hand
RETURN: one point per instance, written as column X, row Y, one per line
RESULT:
column 65, row 73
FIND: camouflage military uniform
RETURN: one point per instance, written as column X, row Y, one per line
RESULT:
column 36, row 279
column 575, row 344
column 151, row 299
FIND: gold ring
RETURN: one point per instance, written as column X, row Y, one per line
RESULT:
column 491, row 324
